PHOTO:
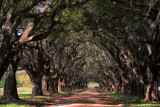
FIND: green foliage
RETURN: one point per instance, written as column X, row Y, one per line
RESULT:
column 19, row 84
column 23, row 79
column 21, row 4
column 93, row 85
column 109, row 20
column 2, row 82
column 73, row 17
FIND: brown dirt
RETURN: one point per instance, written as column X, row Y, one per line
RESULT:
column 89, row 98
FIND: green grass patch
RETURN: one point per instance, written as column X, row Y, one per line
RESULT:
column 131, row 101
column 24, row 95
column 93, row 85
column 20, row 103
column 33, row 100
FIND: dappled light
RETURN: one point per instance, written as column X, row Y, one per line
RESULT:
column 79, row 52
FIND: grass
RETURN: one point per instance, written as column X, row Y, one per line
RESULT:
column 32, row 100
column 21, row 89
column 93, row 85
column 20, row 103
column 130, row 101
column 23, row 92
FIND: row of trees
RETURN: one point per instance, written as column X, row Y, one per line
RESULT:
column 53, row 65
column 67, row 43
column 24, row 45
column 130, row 35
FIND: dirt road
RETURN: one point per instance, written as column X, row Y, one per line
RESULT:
column 88, row 98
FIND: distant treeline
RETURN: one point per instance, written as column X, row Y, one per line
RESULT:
column 23, row 80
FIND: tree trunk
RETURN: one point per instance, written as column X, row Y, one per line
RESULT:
column 152, row 88
column 45, row 84
column 6, row 34
column 36, row 87
column 51, row 88
column 59, row 85
column 10, row 88
column 123, row 88
column 36, row 80
column 154, row 94
column 140, row 89
column 3, row 68
column 148, row 92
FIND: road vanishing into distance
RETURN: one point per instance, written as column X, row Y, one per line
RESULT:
column 91, row 97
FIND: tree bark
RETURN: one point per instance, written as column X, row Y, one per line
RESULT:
column 140, row 89
column 59, row 85
column 37, row 86
column 10, row 88
column 36, row 80
column 45, row 84
column 154, row 95
column 152, row 87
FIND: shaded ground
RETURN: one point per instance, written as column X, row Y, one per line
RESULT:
column 88, row 98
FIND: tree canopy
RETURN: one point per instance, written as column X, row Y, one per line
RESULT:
column 65, row 44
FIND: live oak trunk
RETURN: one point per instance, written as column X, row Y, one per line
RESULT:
column 152, row 91
column 5, row 33
column 137, row 88
column 140, row 89
column 37, row 85
column 52, row 86
column 59, row 85
column 10, row 88
column 36, row 80
column 45, row 84
column 3, row 66
column 124, row 88
column 152, row 87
